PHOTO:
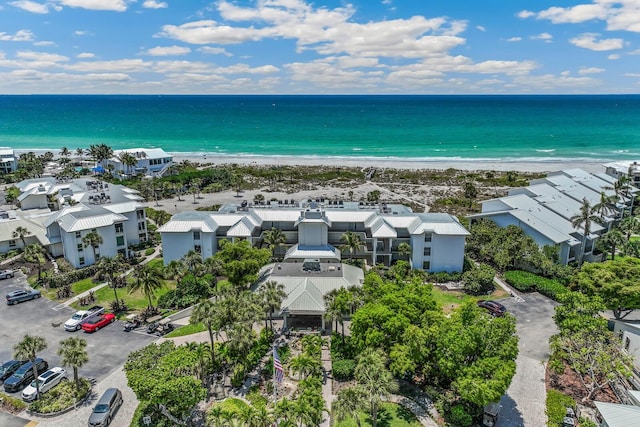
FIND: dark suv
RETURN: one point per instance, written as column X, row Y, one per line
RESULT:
column 24, row 375
column 494, row 308
column 9, row 367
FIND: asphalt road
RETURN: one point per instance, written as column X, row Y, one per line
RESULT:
column 108, row 348
column 524, row 403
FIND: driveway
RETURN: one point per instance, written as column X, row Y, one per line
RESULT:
column 524, row 403
column 108, row 348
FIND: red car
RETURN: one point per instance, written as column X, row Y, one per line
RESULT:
column 98, row 322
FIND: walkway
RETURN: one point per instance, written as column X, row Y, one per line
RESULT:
column 421, row 414
column 327, row 386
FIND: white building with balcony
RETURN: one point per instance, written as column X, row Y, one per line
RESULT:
column 313, row 230
column 149, row 161
column 8, row 161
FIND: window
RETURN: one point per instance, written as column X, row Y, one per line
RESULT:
column 122, row 252
column 427, row 251
column 78, row 234
column 426, row 265
column 141, row 226
column 81, row 260
column 80, row 247
column 12, row 243
column 120, row 241
column 197, row 248
column 627, row 343
column 427, row 237
column 196, row 235
column 140, row 214
column 119, row 228
column 93, row 230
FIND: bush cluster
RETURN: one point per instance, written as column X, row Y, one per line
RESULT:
column 525, row 281
column 557, row 404
column 72, row 276
column 257, row 352
column 188, row 292
column 343, row 353
column 61, row 397
column 11, row 404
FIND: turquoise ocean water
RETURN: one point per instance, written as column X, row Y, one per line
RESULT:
column 515, row 128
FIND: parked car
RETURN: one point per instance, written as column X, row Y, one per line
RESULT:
column 494, row 308
column 9, row 367
column 6, row 274
column 95, row 323
column 82, row 316
column 46, row 382
column 24, row 375
column 106, row 408
column 22, row 295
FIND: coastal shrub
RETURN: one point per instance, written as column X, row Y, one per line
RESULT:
column 586, row 422
column 188, row 291
column 149, row 251
column 479, row 281
column 342, row 348
column 11, row 404
column 61, row 397
column 458, row 416
column 72, row 276
column 343, row 370
column 557, row 404
column 525, row 281
column 256, row 398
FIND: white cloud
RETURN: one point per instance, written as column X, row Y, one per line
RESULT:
column 514, row 39
column 81, row 33
column 112, row 5
column 30, row 6
column 85, row 55
column 589, row 41
column 120, row 65
column 632, row 74
column 326, row 31
column 214, row 50
column 168, row 51
column 591, row 70
column 41, row 56
column 19, row 36
column 44, row 43
column 613, row 56
column 481, row 28
column 153, row 4
column 542, row 36
column 620, row 15
column 634, row 52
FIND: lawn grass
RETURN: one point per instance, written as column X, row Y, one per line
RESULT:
column 156, row 262
column 76, row 287
column 135, row 301
column 231, row 405
column 450, row 300
column 389, row 414
column 186, row 330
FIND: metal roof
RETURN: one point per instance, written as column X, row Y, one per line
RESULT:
column 183, row 222
column 619, row 415
column 380, row 229
column 243, row 228
column 149, row 153
column 88, row 219
column 301, row 252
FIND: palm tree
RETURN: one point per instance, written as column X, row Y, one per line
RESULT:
column 175, row 270
column 272, row 294
column 629, row 225
column 374, row 380
column 338, row 305
column 64, row 152
column 611, row 240
column 349, row 402
column 404, row 249
column 93, row 240
column 351, row 243
column 28, row 349
column 79, row 152
column 583, row 220
column 34, row 253
column 275, row 238
column 305, row 365
column 73, row 351
column 110, row 268
column 208, row 313
column 192, row 260
column 148, row 280
column 20, row 233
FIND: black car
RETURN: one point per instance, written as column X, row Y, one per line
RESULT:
column 9, row 367
column 494, row 308
column 24, row 375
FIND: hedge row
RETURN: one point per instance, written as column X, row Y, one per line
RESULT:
column 72, row 276
column 557, row 404
column 525, row 281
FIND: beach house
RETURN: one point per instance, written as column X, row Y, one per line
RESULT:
column 140, row 161
column 314, row 229
column 8, row 161
column 545, row 208
column 624, row 168
column 59, row 214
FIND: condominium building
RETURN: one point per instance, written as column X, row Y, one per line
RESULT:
column 313, row 230
column 149, row 161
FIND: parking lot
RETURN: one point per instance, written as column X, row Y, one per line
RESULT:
column 108, row 348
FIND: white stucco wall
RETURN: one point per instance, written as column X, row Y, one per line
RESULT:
column 34, row 201
column 632, row 333
column 176, row 245
column 312, row 234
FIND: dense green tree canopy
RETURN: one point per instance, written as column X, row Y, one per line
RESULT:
column 242, row 262
column 617, row 282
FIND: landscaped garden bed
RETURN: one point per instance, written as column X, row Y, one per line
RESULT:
column 61, row 399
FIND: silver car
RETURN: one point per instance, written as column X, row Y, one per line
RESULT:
column 46, row 381
column 6, row 274
column 106, row 408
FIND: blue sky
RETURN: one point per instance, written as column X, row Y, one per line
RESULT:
column 324, row 46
